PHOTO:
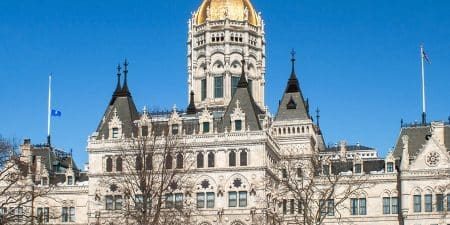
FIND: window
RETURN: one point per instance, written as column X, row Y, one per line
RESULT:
column 149, row 162
column 232, row 199
column 18, row 214
column 144, row 131
column 178, row 200
column 232, row 158
column 3, row 213
column 439, row 202
column 238, row 125
column 109, row 164
column 175, row 129
column 179, row 163
column 326, row 170
column 299, row 172
column 327, row 207
column 210, row 200
column 68, row 214
column 169, row 201
column 390, row 167
column 292, row 206
column 417, row 203
column 242, row 199
column 138, row 165
column 448, row 202
column 200, row 200
column 234, row 84
column 200, row 160
column 358, row 206
column 115, row 133
column 44, row 181
column 299, row 206
column 284, row 206
column 284, row 173
column 118, row 202
column 69, row 180
column 386, row 205
column 168, row 162
column 138, row 201
column 357, row 168
column 42, row 215
column 205, row 127
column 119, row 164
column 394, row 204
column 109, row 200
column 243, row 158
column 218, row 87
column 203, row 87
column 211, row 159
column 428, row 203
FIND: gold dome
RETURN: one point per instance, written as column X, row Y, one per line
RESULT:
column 239, row 10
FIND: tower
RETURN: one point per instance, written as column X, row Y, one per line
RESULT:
column 221, row 34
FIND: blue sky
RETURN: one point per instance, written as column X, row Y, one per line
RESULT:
column 358, row 60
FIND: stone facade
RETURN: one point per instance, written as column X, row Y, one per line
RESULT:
column 249, row 158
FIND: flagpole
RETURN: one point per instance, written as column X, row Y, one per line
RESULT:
column 424, row 114
column 49, row 108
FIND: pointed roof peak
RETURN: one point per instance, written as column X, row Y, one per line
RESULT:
column 243, row 81
column 293, row 85
column 118, row 87
column 125, row 90
column 191, row 109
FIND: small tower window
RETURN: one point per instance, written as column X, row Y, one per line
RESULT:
column 149, row 162
column 238, row 125
column 232, row 158
column 138, row 163
column 205, row 127
column 243, row 158
column 180, row 161
column 119, row 164
column 203, row 89
column 168, row 162
column 218, row 87
column 115, row 132
column 44, row 181
column 358, row 168
column 69, row 180
column 390, row 167
column 175, row 129
column 144, row 131
column 211, row 159
column 234, row 83
column 109, row 164
column 200, row 160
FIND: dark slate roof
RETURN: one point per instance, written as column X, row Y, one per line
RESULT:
column 368, row 166
column 417, row 138
column 247, row 105
column 126, row 111
column 348, row 148
column 292, row 105
column 191, row 107
column 373, row 165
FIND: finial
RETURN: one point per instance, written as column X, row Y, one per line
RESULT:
column 401, row 123
column 238, row 104
column 243, row 81
column 293, row 55
column 118, row 88
column 125, row 89
column 318, row 116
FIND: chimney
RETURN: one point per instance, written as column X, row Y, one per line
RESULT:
column 404, row 165
column 343, row 150
column 26, row 151
column 437, row 131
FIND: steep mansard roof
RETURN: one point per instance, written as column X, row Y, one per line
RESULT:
column 417, row 138
column 292, row 105
column 123, row 106
column 243, row 98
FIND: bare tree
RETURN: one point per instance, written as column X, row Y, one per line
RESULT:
column 314, row 189
column 151, row 176
column 18, row 193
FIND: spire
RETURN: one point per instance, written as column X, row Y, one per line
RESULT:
column 242, row 81
column 191, row 108
column 125, row 90
column 318, row 117
column 293, row 85
column 118, row 88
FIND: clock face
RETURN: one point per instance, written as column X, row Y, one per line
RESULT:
column 433, row 159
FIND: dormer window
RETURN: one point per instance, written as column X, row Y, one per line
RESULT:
column 358, row 168
column 144, row 131
column 238, row 125
column 390, row 167
column 44, row 181
column 115, row 132
column 205, row 127
column 175, row 129
column 69, row 180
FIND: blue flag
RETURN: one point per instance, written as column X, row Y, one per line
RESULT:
column 56, row 113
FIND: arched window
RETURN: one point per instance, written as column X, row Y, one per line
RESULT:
column 119, row 164
column 232, row 158
column 168, row 162
column 243, row 158
column 109, row 164
column 200, row 160
column 218, row 87
column 180, row 161
column 149, row 162
column 211, row 159
column 138, row 164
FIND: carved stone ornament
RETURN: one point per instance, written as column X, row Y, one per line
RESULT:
column 432, row 159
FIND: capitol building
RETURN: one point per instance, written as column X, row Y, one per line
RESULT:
column 224, row 159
